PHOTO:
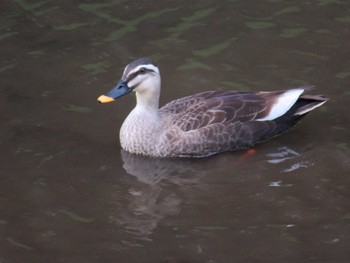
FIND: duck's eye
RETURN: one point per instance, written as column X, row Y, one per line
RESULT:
column 142, row 70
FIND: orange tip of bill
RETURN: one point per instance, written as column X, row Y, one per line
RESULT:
column 104, row 99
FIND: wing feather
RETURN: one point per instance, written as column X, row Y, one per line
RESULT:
column 213, row 107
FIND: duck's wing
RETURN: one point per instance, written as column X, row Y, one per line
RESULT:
column 219, row 107
column 184, row 104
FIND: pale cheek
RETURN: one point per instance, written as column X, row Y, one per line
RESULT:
column 133, row 83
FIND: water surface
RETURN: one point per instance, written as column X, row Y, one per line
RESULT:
column 70, row 194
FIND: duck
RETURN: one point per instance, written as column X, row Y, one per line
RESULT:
column 205, row 123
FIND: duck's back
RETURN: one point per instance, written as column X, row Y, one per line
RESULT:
column 216, row 121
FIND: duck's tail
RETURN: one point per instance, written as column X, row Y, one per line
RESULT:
column 304, row 105
column 307, row 103
column 264, row 130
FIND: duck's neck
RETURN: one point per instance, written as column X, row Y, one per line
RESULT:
column 147, row 101
column 147, row 96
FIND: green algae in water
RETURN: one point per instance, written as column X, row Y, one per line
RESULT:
column 31, row 6
column 308, row 69
column 70, row 26
column 256, row 18
column 115, row 35
column 128, row 26
column 95, row 9
column 46, row 93
column 327, row 2
column 36, row 8
column 345, row 19
column 317, row 56
column 200, row 14
column 76, row 217
column 339, row 128
column 36, row 53
column 41, row 182
column 323, row 31
column 131, row 25
column 259, row 25
column 344, row 147
column 7, row 35
column 7, row 67
column 189, row 22
column 49, row 157
column 213, row 49
column 229, row 67
column 18, row 244
column 346, row 216
column 235, row 85
column 288, row 9
column 342, row 75
column 292, row 32
column 193, row 64
column 96, row 6
column 325, row 180
column 45, row 160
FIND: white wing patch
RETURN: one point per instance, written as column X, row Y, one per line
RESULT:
column 283, row 104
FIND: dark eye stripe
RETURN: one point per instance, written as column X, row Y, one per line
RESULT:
column 139, row 72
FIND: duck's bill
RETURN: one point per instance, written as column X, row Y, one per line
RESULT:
column 105, row 99
column 121, row 89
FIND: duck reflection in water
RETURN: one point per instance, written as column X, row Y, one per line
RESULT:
column 164, row 187
column 156, row 194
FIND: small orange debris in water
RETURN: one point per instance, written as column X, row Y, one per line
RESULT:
column 249, row 153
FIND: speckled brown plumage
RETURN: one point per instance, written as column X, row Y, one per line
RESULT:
column 218, row 121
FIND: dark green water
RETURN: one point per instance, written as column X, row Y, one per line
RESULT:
column 69, row 194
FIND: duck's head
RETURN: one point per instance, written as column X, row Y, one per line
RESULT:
column 141, row 76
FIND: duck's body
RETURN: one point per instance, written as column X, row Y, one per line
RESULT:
column 206, row 123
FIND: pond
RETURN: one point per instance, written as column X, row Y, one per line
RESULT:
column 70, row 194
